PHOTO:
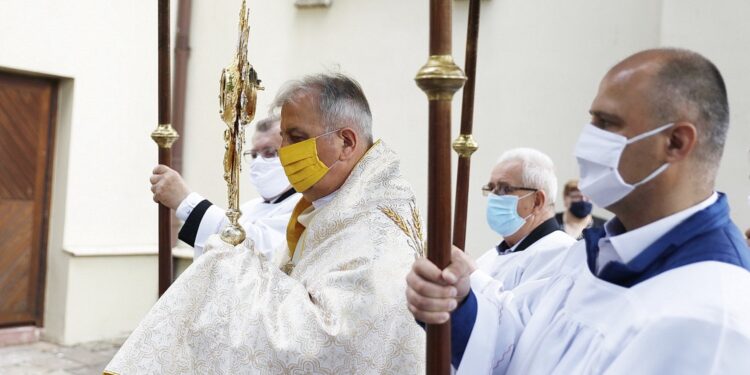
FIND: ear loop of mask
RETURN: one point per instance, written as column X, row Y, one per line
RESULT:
column 324, row 134
column 647, row 134
column 650, row 133
column 652, row 175
column 519, row 199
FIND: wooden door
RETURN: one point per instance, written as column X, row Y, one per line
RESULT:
column 27, row 118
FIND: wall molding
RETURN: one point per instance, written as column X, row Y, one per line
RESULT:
column 313, row 3
column 105, row 250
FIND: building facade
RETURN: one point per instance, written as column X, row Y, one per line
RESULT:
column 88, row 227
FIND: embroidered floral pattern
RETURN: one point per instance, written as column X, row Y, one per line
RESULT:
column 340, row 310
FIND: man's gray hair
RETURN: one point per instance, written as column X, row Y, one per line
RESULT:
column 537, row 170
column 687, row 81
column 267, row 123
column 340, row 100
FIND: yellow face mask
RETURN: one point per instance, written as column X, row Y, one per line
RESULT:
column 301, row 163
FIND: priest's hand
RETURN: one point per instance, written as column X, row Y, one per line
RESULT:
column 168, row 187
column 432, row 294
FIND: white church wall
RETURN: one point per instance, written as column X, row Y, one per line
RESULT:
column 539, row 67
column 108, row 49
column 719, row 30
column 105, row 55
column 56, row 289
column 539, row 70
column 108, row 296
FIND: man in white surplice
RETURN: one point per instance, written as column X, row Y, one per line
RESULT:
column 663, row 288
column 334, row 302
column 264, row 219
column 520, row 207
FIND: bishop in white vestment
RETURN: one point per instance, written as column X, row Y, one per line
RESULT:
column 334, row 302
column 339, row 309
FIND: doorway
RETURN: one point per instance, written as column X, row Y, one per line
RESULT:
column 28, row 112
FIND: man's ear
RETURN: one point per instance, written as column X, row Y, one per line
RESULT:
column 350, row 141
column 681, row 142
column 540, row 199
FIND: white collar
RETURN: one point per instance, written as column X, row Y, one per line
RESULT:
column 322, row 202
column 513, row 248
column 629, row 244
column 306, row 216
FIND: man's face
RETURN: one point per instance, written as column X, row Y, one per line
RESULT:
column 621, row 107
column 266, row 144
column 573, row 196
column 301, row 121
column 509, row 175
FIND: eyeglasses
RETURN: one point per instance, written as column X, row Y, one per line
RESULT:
column 502, row 189
column 266, row 153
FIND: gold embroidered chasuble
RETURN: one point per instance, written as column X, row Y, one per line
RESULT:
column 340, row 310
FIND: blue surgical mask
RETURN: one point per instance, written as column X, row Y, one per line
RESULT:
column 502, row 214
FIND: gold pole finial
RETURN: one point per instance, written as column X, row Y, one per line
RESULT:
column 440, row 77
column 465, row 145
column 165, row 135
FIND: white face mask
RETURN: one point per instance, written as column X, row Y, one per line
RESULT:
column 598, row 154
column 268, row 177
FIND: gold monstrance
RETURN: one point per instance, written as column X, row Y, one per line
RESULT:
column 239, row 87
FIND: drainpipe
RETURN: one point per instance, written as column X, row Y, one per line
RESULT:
column 179, row 89
column 179, row 85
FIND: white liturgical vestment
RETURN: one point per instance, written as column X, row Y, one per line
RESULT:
column 339, row 307
column 681, row 306
column 533, row 262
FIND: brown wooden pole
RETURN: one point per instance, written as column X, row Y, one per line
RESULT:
column 165, row 232
column 440, row 78
column 465, row 145
column 164, row 136
column 165, row 109
column 438, row 224
column 165, row 153
column 441, row 27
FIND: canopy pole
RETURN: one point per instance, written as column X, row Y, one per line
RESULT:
column 439, row 78
column 164, row 136
column 465, row 145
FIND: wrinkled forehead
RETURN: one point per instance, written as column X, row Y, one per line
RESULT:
column 507, row 172
column 625, row 94
column 270, row 138
column 300, row 112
